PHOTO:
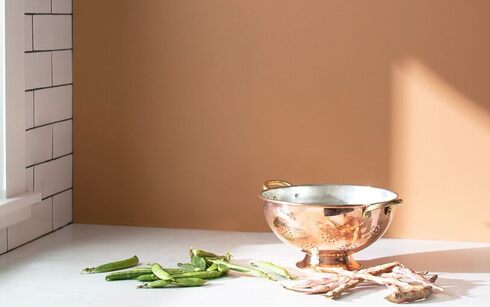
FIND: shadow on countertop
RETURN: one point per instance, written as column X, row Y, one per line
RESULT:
column 453, row 289
column 470, row 260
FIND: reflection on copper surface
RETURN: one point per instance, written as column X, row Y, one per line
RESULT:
column 323, row 233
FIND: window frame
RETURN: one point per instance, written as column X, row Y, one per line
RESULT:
column 15, row 206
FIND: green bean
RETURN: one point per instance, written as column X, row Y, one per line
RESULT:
column 212, row 267
column 188, row 267
column 129, row 274
column 147, row 277
column 155, row 284
column 218, row 267
column 209, row 256
column 223, row 268
column 174, row 270
column 183, row 282
column 199, row 262
column 169, row 270
column 201, row 253
column 189, row 282
column 269, row 266
column 160, row 272
column 200, row 274
column 113, row 266
column 246, row 270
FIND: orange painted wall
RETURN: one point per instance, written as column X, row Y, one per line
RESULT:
column 183, row 108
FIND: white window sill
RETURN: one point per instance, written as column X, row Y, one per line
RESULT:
column 17, row 209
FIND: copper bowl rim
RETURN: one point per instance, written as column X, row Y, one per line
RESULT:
column 326, row 205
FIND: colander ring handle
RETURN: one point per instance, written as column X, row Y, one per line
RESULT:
column 385, row 204
column 275, row 183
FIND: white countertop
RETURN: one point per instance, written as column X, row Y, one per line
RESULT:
column 46, row 272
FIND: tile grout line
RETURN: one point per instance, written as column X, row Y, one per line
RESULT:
column 48, row 14
column 47, row 50
column 49, row 232
column 47, row 87
column 50, row 123
column 57, row 193
column 49, row 160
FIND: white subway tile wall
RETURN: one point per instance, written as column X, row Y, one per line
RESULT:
column 53, row 176
column 29, row 109
column 62, row 209
column 52, row 32
column 30, row 179
column 61, row 6
column 62, row 144
column 62, row 67
column 52, row 104
column 38, row 70
column 3, row 240
column 37, row 6
column 40, row 223
column 28, row 29
column 48, row 121
column 39, row 145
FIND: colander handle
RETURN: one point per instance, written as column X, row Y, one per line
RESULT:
column 385, row 204
column 275, row 183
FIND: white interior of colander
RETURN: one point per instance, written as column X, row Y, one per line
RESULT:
column 330, row 194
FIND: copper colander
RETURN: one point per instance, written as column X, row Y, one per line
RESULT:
column 328, row 222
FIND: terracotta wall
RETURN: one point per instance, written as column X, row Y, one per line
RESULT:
column 183, row 108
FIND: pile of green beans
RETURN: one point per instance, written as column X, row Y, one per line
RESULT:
column 203, row 266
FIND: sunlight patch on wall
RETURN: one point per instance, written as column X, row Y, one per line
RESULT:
column 440, row 157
